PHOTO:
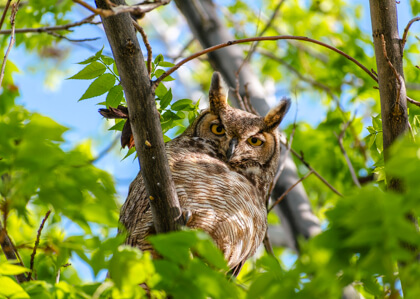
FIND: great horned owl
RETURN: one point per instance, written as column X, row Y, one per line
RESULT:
column 222, row 167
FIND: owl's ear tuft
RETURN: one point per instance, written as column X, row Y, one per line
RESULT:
column 218, row 93
column 276, row 114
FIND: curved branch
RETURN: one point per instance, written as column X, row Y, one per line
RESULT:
column 262, row 38
column 404, row 38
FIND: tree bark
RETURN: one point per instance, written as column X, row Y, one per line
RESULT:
column 389, row 62
column 295, row 210
column 144, row 119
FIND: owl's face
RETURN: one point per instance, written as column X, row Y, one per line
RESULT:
column 246, row 142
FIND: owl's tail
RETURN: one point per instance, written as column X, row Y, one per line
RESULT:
column 120, row 112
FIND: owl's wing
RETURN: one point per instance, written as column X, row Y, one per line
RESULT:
column 133, row 214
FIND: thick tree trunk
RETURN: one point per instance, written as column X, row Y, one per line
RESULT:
column 389, row 62
column 144, row 119
column 295, row 210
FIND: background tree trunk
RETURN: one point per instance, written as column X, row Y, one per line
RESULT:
column 295, row 210
column 144, row 119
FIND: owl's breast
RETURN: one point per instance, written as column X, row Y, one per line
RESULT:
column 223, row 202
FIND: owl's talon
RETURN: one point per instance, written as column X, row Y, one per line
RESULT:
column 187, row 215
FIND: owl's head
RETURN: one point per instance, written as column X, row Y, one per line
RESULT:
column 247, row 142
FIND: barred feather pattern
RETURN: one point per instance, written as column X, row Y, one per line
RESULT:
column 222, row 201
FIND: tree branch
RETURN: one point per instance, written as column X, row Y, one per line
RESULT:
column 10, row 253
column 144, row 119
column 263, row 38
column 67, row 27
column 344, row 152
column 290, row 189
column 3, row 16
column 313, row 170
column 388, row 52
column 147, row 45
column 15, row 8
column 404, row 38
column 38, row 236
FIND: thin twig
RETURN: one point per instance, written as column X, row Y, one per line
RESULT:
column 3, row 16
column 9, row 251
column 313, row 170
column 289, row 189
column 147, row 45
column 58, row 35
column 106, row 150
column 302, row 77
column 267, row 25
column 248, row 101
column 267, row 244
column 413, row 101
column 187, row 45
column 264, row 38
column 344, row 152
column 38, row 236
column 404, row 38
column 15, row 8
column 67, row 27
column 251, row 51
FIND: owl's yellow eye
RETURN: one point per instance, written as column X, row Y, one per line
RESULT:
column 217, row 129
column 254, row 141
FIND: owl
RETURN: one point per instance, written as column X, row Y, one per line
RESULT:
column 222, row 166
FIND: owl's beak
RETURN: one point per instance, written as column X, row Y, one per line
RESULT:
column 231, row 149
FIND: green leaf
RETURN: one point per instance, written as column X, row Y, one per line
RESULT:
column 184, row 104
column 166, row 64
column 118, row 126
column 377, row 122
column 7, row 268
column 158, row 59
column 115, row 96
column 161, row 90
column 107, row 60
column 380, row 142
column 100, row 86
column 166, row 99
column 10, row 289
column 91, row 71
column 371, row 138
column 92, row 58
column 114, row 69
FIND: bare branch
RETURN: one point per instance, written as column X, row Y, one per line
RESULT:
column 11, row 254
column 404, row 38
column 413, row 101
column 313, row 170
column 67, row 27
column 15, row 8
column 263, row 38
column 6, row 8
column 58, row 35
column 343, row 150
column 38, row 236
column 267, row 243
column 290, row 189
column 147, row 45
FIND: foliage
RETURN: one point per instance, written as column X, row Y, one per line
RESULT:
column 368, row 239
